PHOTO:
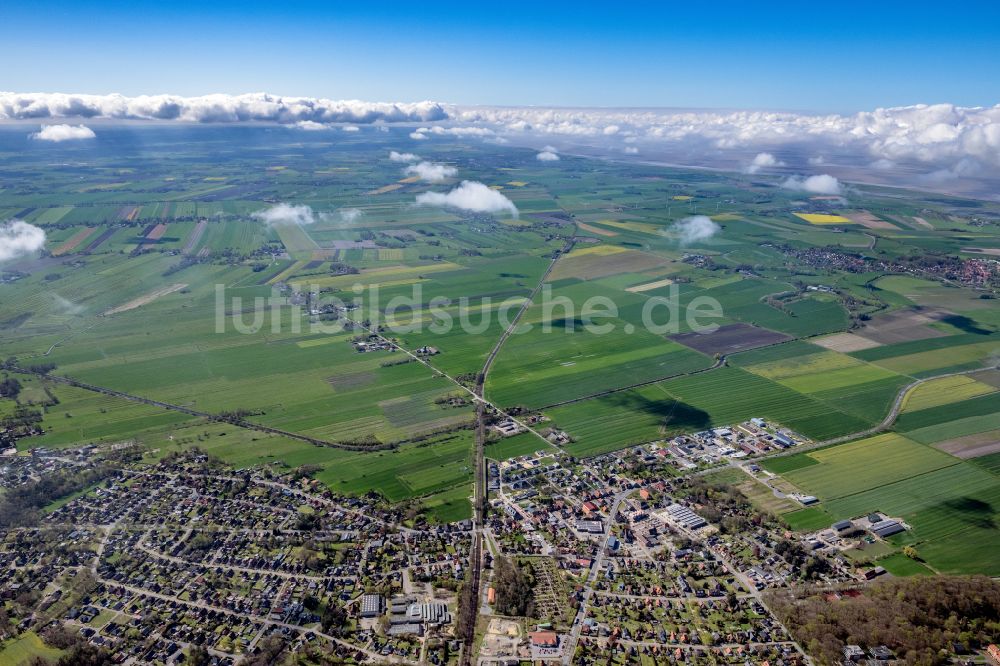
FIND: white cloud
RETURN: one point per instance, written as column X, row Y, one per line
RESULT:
column 817, row 160
column 822, row 184
column 547, row 156
column 402, row 157
column 350, row 215
column 311, row 126
column 695, row 228
column 458, row 131
column 918, row 139
column 58, row 133
column 762, row 161
column 937, row 136
column 351, row 128
column 214, row 108
column 66, row 305
column 963, row 169
column 431, row 172
column 631, row 150
column 471, row 196
column 18, row 238
column 283, row 213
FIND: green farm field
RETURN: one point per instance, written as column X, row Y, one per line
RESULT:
column 951, row 505
column 119, row 301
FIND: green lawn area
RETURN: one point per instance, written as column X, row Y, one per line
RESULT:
column 808, row 519
column 22, row 649
column 62, row 501
column 785, row 464
column 764, row 497
column 449, row 505
column 518, row 445
column 900, row 565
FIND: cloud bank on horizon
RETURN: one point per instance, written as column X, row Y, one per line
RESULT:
column 218, row 108
column 939, row 142
column 924, row 133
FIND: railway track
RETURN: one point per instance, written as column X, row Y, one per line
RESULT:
column 471, row 599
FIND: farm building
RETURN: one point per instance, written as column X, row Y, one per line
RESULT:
column 784, row 440
column 874, row 573
column 885, row 528
column 842, row 526
column 508, row 427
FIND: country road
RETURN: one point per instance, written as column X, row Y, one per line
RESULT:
column 889, row 419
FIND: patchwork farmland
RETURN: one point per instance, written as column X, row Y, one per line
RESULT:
column 124, row 298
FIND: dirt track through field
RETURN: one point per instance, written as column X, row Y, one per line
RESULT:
column 146, row 299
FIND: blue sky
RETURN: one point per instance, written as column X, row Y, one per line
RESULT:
column 801, row 56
